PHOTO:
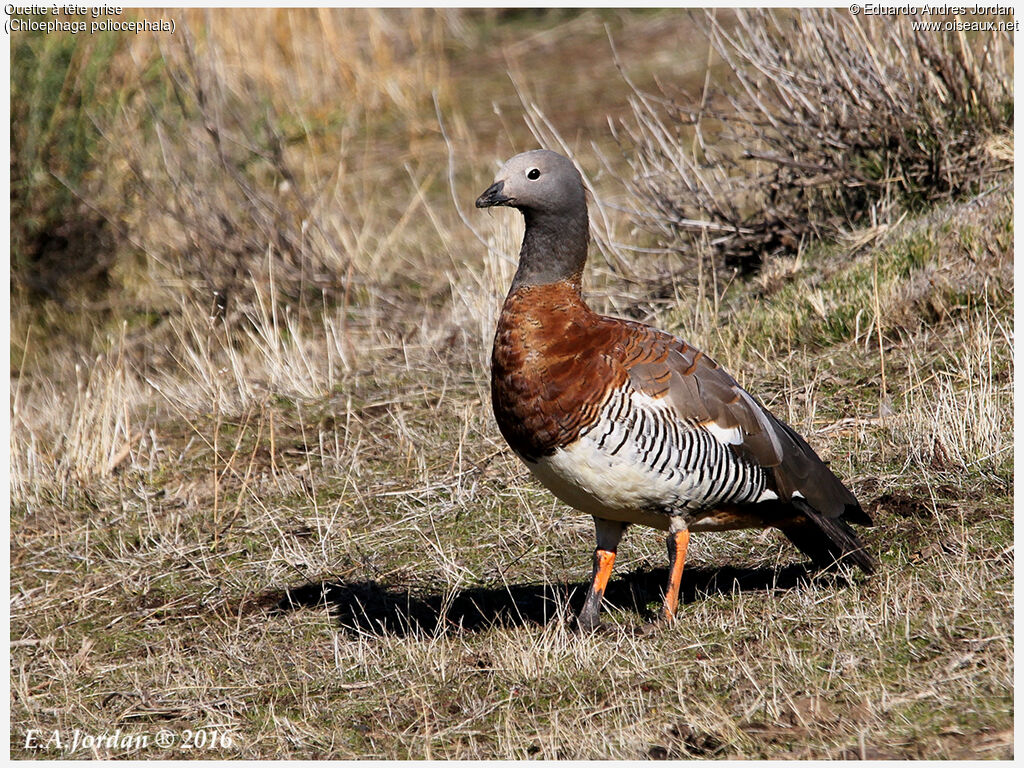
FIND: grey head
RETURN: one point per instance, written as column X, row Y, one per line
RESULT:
column 548, row 189
column 540, row 181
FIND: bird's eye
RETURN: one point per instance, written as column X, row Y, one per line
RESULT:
column 533, row 173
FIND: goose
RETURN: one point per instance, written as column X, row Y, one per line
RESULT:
column 635, row 426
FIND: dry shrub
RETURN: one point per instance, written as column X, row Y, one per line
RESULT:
column 827, row 121
column 253, row 160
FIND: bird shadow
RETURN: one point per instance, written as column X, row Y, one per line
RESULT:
column 369, row 607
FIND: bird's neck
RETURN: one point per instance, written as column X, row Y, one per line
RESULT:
column 554, row 250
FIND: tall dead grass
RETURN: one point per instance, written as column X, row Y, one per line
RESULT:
column 63, row 437
column 961, row 416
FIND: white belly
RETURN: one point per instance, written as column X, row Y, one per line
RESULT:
column 641, row 471
column 603, row 485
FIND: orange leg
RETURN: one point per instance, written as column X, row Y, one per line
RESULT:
column 608, row 535
column 677, row 543
column 590, row 615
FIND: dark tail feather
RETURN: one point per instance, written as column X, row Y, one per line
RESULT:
column 827, row 540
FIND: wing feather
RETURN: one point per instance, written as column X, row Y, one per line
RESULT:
column 702, row 392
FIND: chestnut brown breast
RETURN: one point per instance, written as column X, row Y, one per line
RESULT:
column 549, row 378
column 556, row 362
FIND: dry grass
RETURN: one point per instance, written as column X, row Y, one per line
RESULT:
column 291, row 522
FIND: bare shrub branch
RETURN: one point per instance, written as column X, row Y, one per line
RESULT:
column 828, row 121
